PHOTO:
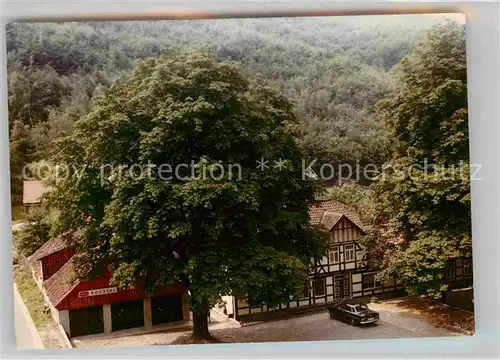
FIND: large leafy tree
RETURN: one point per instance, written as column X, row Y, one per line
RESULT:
column 217, row 233
column 423, row 194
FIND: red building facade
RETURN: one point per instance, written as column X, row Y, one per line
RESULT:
column 95, row 306
column 53, row 262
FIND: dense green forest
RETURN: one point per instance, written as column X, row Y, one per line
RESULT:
column 334, row 69
column 385, row 90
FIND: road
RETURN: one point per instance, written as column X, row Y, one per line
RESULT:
column 24, row 337
column 321, row 327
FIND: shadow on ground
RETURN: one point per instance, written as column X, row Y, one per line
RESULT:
column 175, row 330
column 436, row 313
column 188, row 339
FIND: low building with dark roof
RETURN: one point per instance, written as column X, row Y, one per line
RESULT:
column 32, row 193
column 84, row 307
column 49, row 258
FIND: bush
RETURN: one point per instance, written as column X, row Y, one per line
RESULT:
column 18, row 213
column 28, row 239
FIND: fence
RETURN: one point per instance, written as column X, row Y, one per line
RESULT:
column 278, row 314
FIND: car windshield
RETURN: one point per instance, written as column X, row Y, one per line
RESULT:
column 360, row 307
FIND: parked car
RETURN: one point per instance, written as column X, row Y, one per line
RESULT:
column 354, row 312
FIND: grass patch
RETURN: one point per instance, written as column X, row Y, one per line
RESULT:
column 18, row 213
column 32, row 297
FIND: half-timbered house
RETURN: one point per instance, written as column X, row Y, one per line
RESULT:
column 458, row 273
column 341, row 273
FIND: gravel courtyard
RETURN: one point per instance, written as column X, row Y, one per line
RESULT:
column 392, row 324
column 321, row 327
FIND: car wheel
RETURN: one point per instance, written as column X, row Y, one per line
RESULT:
column 353, row 322
column 332, row 315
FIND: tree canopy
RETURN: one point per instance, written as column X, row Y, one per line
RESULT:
column 333, row 68
column 423, row 195
column 245, row 232
column 102, row 96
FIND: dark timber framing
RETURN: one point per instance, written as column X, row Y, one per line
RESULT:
column 341, row 273
column 458, row 273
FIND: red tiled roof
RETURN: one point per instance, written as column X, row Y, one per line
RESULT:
column 50, row 247
column 330, row 219
column 333, row 209
column 59, row 285
column 338, row 207
column 315, row 215
column 32, row 191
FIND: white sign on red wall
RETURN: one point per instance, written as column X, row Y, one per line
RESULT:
column 96, row 292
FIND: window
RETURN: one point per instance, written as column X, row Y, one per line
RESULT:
column 458, row 267
column 349, row 252
column 359, row 308
column 369, row 281
column 450, row 270
column 467, row 267
column 346, row 308
column 319, row 287
column 333, row 255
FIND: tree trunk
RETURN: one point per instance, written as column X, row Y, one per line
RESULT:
column 200, row 324
column 201, row 312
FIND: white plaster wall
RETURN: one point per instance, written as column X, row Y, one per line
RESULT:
column 63, row 318
column 229, row 300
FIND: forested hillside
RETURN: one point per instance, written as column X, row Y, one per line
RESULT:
column 386, row 91
column 334, row 69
